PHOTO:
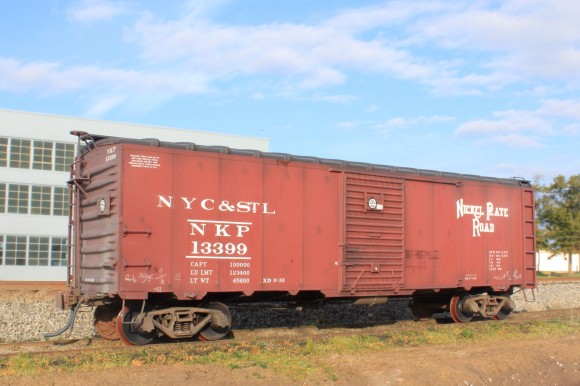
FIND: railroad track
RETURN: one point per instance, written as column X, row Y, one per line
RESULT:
column 272, row 335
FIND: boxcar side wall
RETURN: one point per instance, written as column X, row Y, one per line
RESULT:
column 160, row 219
column 199, row 222
column 465, row 235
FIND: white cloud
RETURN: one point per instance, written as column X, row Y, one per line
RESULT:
column 507, row 122
column 512, row 140
column 102, row 105
column 372, row 108
column 312, row 56
column 53, row 77
column 89, row 11
column 360, row 20
column 571, row 129
column 451, row 48
column 569, row 109
column 521, row 38
column 525, row 128
column 119, row 85
column 349, row 125
column 400, row 122
column 507, row 43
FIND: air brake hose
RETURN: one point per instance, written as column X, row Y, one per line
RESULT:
column 68, row 325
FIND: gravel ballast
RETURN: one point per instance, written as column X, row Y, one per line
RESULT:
column 26, row 315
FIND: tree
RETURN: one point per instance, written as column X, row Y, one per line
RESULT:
column 558, row 214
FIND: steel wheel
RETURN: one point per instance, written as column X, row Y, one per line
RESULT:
column 456, row 311
column 129, row 331
column 502, row 314
column 420, row 310
column 106, row 321
column 212, row 331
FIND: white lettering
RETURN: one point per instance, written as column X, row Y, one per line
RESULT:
column 244, row 207
column 209, row 204
column 204, row 204
column 478, row 226
column 197, row 227
column 188, row 202
column 462, row 209
column 242, row 229
column 265, row 211
column 496, row 211
column 220, row 230
column 482, row 227
column 163, row 200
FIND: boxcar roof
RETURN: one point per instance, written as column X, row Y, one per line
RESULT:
column 340, row 164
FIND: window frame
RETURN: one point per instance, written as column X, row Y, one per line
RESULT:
column 18, row 199
column 14, row 247
column 19, row 158
column 42, row 155
column 4, row 153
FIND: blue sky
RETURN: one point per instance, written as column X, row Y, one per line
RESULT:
column 479, row 87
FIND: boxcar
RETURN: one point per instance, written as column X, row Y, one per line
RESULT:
column 165, row 235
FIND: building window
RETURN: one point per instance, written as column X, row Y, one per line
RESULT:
column 2, row 198
column 34, row 199
column 18, row 198
column 42, row 159
column 15, row 250
column 58, row 252
column 40, row 155
column 38, row 251
column 20, row 153
column 64, row 156
column 3, row 152
column 60, row 201
column 40, row 200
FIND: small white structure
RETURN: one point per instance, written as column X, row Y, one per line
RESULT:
column 36, row 151
column 547, row 261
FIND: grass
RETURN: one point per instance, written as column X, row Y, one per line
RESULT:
column 297, row 359
column 557, row 275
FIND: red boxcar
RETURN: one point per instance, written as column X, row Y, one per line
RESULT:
column 165, row 235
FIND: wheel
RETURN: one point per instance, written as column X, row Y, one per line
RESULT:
column 215, row 332
column 128, row 328
column 504, row 312
column 456, row 311
column 420, row 310
column 106, row 321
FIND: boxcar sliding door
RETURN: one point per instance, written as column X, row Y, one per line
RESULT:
column 373, row 234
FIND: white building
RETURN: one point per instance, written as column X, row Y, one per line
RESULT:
column 36, row 151
column 546, row 261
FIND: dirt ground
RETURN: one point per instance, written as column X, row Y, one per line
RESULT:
column 543, row 361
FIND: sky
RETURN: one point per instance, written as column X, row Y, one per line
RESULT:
column 476, row 87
